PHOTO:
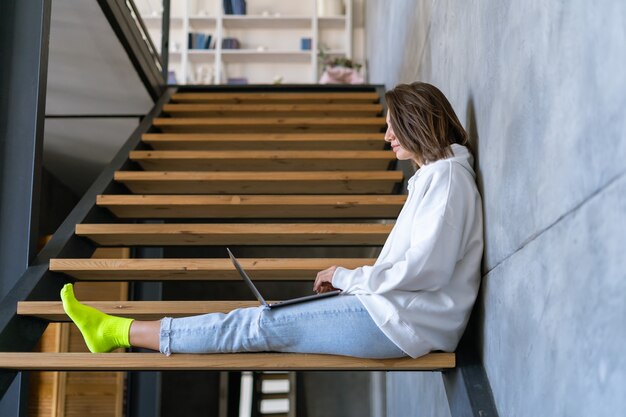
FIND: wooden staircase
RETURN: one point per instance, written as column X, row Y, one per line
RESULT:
column 248, row 169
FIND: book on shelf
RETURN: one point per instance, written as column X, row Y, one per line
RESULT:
column 228, row 7
column 305, row 44
column 230, row 43
column 171, row 77
column 237, row 81
column 237, row 7
column 197, row 40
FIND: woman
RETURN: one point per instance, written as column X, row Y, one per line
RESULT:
column 416, row 298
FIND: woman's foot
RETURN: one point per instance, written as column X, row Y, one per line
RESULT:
column 102, row 332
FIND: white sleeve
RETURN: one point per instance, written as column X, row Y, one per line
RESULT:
column 428, row 265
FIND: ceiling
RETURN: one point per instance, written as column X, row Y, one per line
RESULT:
column 89, row 74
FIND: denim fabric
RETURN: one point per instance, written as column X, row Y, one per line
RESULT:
column 337, row 325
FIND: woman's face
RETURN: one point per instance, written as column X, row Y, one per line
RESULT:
column 401, row 153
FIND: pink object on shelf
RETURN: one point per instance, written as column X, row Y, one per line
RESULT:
column 341, row 75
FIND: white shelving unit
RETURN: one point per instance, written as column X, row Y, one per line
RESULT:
column 269, row 34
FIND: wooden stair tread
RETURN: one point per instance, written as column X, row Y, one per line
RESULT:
column 197, row 160
column 266, row 176
column 270, row 124
column 265, row 141
column 252, row 206
column 218, row 362
column 127, row 234
column 139, row 310
column 275, row 97
column 271, row 110
column 270, row 107
column 266, row 121
column 228, row 182
column 229, row 154
column 260, row 269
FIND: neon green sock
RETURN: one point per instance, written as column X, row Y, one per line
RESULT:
column 102, row 332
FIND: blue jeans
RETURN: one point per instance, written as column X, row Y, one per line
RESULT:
column 337, row 325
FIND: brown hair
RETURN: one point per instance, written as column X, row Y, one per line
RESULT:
column 423, row 121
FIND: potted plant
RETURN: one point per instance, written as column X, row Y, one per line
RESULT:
column 339, row 70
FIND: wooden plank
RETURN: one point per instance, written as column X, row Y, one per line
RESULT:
column 271, row 124
column 264, row 141
column 44, row 386
column 263, row 160
column 277, row 97
column 139, row 310
column 272, row 110
column 320, row 182
column 331, row 234
column 64, row 342
column 252, row 206
column 299, row 122
column 260, row 269
column 219, row 362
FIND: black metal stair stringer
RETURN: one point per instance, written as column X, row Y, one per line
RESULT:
column 20, row 334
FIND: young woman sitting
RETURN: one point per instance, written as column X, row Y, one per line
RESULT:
column 416, row 298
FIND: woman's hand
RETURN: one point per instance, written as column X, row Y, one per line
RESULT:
column 324, row 280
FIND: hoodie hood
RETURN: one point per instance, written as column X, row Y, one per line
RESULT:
column 463, row 156
column 460, row 155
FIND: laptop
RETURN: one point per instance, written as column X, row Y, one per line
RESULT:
column 277, row 304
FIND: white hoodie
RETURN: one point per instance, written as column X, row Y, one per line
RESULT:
column 422, row 287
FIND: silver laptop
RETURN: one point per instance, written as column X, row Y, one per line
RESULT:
column 264, row 303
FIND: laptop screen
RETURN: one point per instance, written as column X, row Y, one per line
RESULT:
column 246, row 278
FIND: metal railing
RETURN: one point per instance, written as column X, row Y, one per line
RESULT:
column 125, row 21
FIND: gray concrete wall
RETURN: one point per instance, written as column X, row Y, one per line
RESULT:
column 416, row 394
column 541, row 88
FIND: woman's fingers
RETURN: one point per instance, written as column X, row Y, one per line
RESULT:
column 324, row 276
column 318, row 282
column 324, row 287
column 324, row 279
